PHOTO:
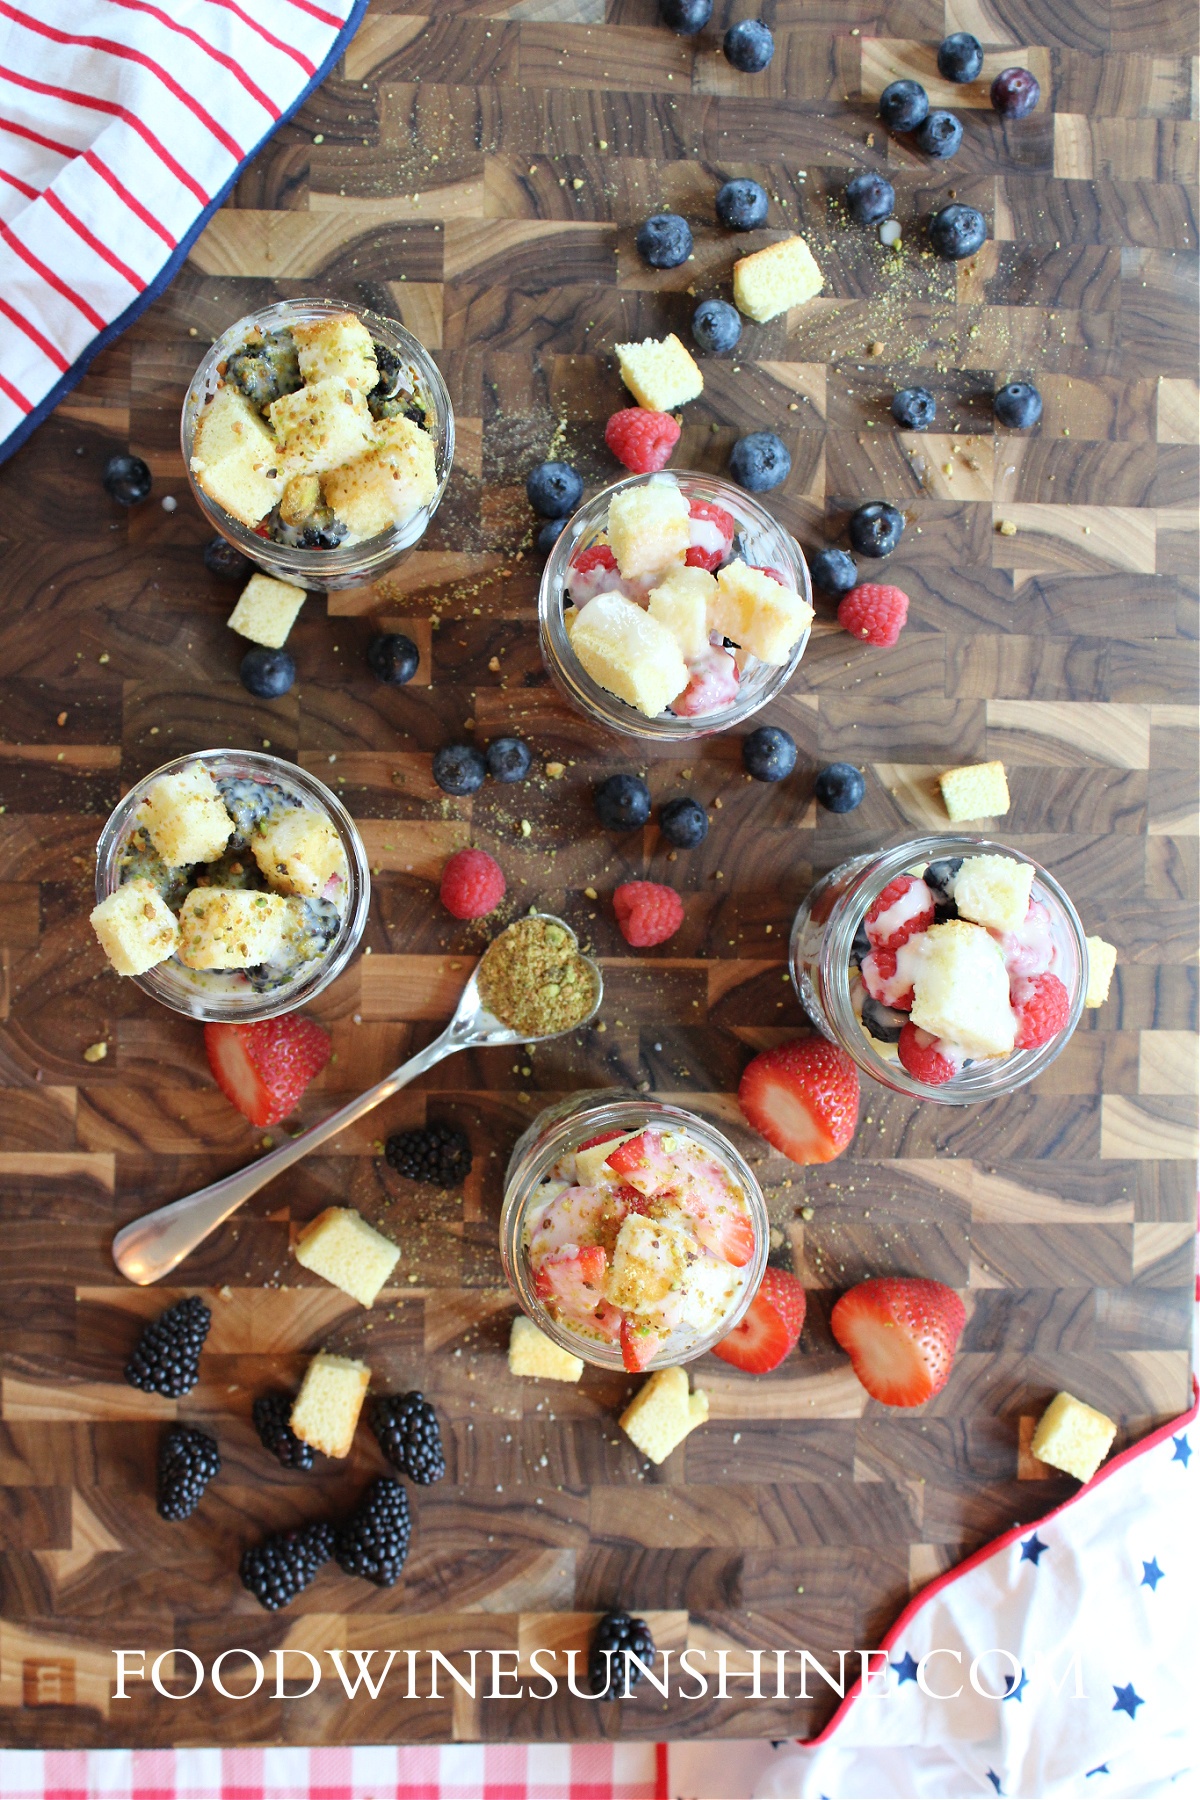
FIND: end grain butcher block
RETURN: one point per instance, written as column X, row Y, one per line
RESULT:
column 480, row 173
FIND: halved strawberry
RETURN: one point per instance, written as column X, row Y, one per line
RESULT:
column 571, row 1282
column 770, row 1328
column 901, row 1333
column 719, row 1225
column 803, row 1098
column 644, row 1164
column 265, row 1067
column 603, row 1137
column 640, row 1343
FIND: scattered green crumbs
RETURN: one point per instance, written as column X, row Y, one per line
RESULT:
column 534, row 979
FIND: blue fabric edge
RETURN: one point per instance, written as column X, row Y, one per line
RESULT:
column 178, row 256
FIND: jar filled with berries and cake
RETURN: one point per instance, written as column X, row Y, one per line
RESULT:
column 318, row 439
column 633, row 1233
column 950, row 968
column 231, row 886
column 673, row 606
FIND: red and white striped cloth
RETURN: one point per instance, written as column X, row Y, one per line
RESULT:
column 123, row 125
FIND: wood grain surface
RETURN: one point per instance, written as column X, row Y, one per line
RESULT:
column 478, row 171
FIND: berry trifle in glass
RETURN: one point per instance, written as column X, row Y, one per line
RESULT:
column 318, row 439
column 230, row 885
column 632, row 1232
column 949, row 968
column 673, row 606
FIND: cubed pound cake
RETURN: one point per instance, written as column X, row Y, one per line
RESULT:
column 136, row 929
column 1073, row 1437
column 993, row 891
column 662, row 1412
column 977, row 791
column 531, row 1352
column 231, row 928
column 629, row 653
column 1102, row 960
column 299, row 853
column 770, row 281
column 185, row 817
column 386, row 484
column 329, row 1402
column 681, row 602
column 235, row 458
column 649, row 528
column 266, row 610
column 340, row 347
column 660, row 373
column 960, row 989
column 321, row 426
column 343, row 1249
column 758, row 613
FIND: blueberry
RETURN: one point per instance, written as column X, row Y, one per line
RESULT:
column 840, row 787
column 1015, row 93
column 760, row 461
column 683, row 823
column 664, row 240
column 1019, row 405
column 226, row 563
column 957, row 231
column 508, row 759
column 554, row 489
column 126, row 479
column 875, row 528
column 939, row 879
column 393, row 657
column 716, row 326
column 622, row 802
column 742, row 205
column 885, row 1023
column 267, row 673
column 549, row 535
column 769, row 754
column 861, row 948
column 833, row 571
column 903, row 105
column 870, row 198
column 960, row 57
column 686, row 17
column 914, row 409
column 459, row 768
column 749, row 46
column 940, row 134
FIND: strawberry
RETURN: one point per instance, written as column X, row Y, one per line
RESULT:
column 644, row 1164
column 723, row 1229
column 640, row 1343
column 770, row 1327
column 571, row 1282
column 602, row 1137
column 265, row 1067
column 803, row 1098
column 900, row 1334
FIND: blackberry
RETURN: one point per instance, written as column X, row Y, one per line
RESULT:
column 167, row 1357
column 187, row 1461
column 373, row 1543
column 608, row 1676
column 409, row 1436
column 271, row 1415
column 282, row 1567
column 437, row 1153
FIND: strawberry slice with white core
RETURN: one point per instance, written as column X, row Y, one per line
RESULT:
column 903, row 908
column 644, row 1164
column 571, row 1283
column 901, row 1335
column 572, row 1218
column 1030, row 949
column 640, row 1343
column 712, row 684
column 769, row 1329
column 593, row 572
column 884, row 982
column 803, row 1098
column 717, row 1221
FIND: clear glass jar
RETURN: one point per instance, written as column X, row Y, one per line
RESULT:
column 765, row 543
column 562, row 1128
column 348, row 565
column 211, row 994
column 819, row 953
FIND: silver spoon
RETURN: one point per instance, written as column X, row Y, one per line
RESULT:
column 153, row 1245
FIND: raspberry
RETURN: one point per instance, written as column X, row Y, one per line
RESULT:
column 598, row 557
column 641, row 439
column 708, row 509
column 879, row 979
column 472, row 884
column 699, row 558
column 775, row 575
column 874, row 613
column 919, row 1057
column 647, row 912
column 1043, row 1006
column 904, row 908
column 704, row 554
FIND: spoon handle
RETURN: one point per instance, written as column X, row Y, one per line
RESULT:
column 150, row 1247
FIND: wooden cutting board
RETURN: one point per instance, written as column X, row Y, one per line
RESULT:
column 480, row 173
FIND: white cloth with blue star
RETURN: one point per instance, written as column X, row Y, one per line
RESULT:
column 1098, row 1610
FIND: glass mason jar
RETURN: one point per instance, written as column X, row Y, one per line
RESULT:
column 560, row 1129
column 347, row 565
column 819, row 953
column 224, row 995
column 764, row 542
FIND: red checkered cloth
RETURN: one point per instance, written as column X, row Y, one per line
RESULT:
column 123, row 126
column 372, row 1772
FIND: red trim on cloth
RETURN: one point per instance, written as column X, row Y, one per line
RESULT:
column 986, row 1551
column 117, row 112
column 31, row 331
column 22, row 187
column 268, row 37
column 218, row 56
column 92, row 241
column 49, row 277
column 132, row 202
column 35, row 137
column 18, row 399
column 314, row 12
